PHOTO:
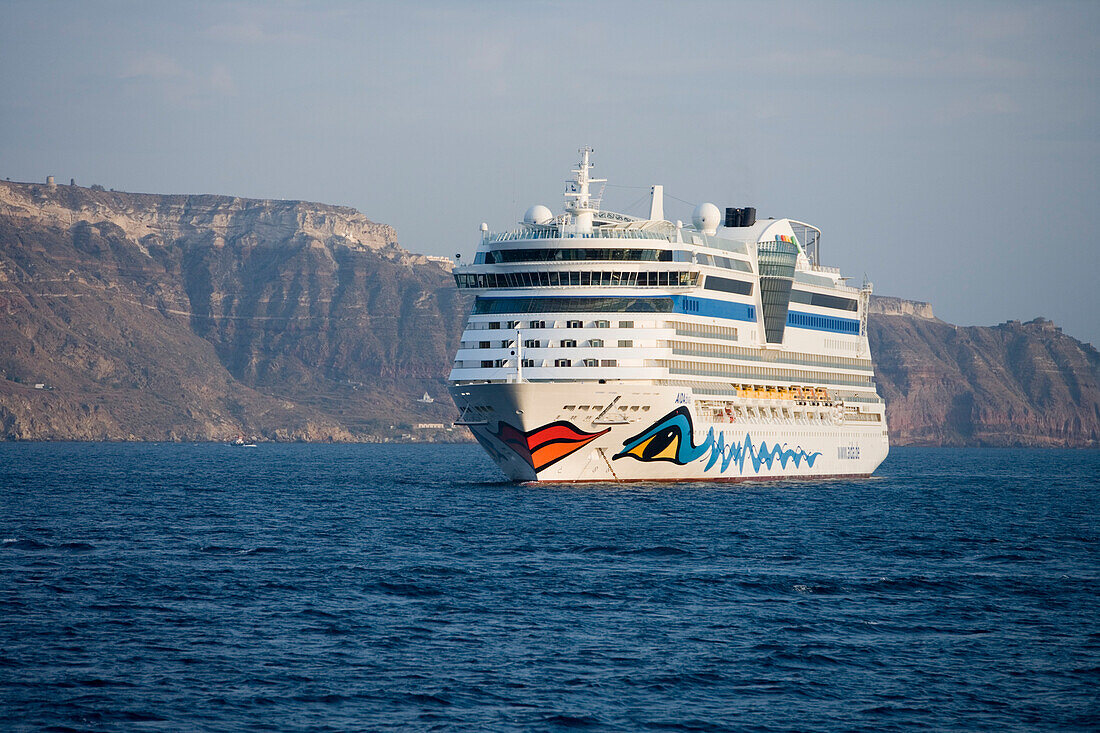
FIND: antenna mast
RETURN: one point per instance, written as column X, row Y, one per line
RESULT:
column 578, row 197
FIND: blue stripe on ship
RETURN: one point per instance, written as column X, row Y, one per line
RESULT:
column 713, row 308
column 822, row 323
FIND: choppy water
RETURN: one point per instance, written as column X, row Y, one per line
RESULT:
column 183, row 587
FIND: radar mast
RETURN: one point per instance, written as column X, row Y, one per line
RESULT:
column 578, row 197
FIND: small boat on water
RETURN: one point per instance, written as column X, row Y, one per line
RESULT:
column 240, row 442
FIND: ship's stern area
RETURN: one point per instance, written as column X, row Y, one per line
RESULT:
column 584, row 431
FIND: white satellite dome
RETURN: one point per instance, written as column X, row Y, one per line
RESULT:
column 706, row 218
column 538, row 214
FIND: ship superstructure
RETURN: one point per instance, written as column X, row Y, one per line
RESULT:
column 607, row 347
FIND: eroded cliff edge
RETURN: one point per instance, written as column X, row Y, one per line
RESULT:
column 1011, row 384
column 200, row 317
column 161, row 317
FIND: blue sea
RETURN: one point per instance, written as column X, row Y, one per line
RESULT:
column 149, row 587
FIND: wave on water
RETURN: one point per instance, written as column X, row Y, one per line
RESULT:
column 263, row 550
column 411, row 590
column 232, row 550
column 13, row 543
column 17, row 544
column 655, row 551
column 452, row 600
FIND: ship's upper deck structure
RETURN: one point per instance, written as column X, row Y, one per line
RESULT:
column 723, row 304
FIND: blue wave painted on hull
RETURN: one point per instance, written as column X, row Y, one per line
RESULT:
column 670, row 439
column 737, row 453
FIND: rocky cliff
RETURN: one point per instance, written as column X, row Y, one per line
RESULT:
column 201, row 317
column 1011, row 384
column 884, row 305
column 155, row 317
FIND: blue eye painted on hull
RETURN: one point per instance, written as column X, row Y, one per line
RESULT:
column 670, row 439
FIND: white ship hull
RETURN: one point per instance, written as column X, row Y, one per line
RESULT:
column 624, row 432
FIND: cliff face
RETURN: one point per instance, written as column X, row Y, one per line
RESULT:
column 152, row 220
column 1011, row 384
column 884, row 305
column 198, row 317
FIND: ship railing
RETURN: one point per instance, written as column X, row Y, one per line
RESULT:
column 699, row 239
column 863, row 417
column 693, row 238
column 868, row 400
column 692, row 333
column 731, row 372
column 524, row 234
column 827, row 363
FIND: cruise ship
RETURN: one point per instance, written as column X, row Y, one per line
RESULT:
column 608, row 347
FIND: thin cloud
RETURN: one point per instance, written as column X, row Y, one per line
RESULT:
column 837, row 63
column 981, row 105
column 248, row 32
column 998, row 24
column 177, row 84
column 153, row 66
column 221, row 81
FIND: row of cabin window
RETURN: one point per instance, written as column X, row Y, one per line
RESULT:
column 824, row 301
column 508, row 256
column 715, row 369
column 835, row 324
column 493, row 325
column 565, row 343
column 555, row 278
column 500, row 363
column 722, row 351
column 562, row 304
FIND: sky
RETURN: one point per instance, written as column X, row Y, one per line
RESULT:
column 949, row 152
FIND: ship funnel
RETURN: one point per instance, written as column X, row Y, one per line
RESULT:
column 745, row 217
